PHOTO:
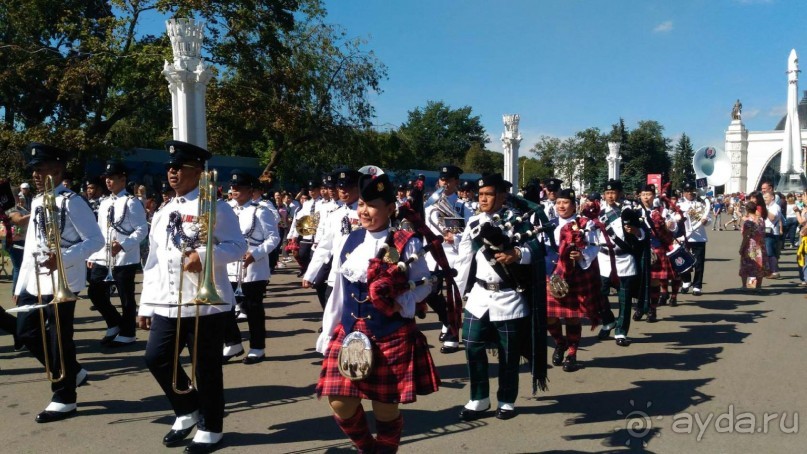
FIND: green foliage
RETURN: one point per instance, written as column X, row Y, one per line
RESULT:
column 438, row 134
column 479, row 160
column 682, row 170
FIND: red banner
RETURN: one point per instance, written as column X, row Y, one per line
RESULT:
column 654, row 178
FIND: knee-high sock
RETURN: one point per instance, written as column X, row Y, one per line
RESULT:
column 556, row 331
column 573, row 333
column 664, row 291
column 389, row 435
column 655, row 291
column 357, row 430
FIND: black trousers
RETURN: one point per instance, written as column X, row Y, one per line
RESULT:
column 208, row 397
column 8, row 322
column 698, row 249
column 624, row 291
column 304, row 254
column 252, row 304
column 98, row 292
column 29, row 332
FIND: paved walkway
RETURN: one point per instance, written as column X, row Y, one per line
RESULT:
column 693, row 381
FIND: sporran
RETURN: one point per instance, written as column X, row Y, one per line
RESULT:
column 356, row 356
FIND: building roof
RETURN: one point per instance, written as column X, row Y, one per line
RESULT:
column 802, row 115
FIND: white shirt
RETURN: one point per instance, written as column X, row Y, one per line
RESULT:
column 259, row 229
column 80, row 237
column 696, row 231
column 337, row 225
column 129, row 216
column 354, row 269
column 775, row 212
column 625, row 262
column 505, row 304
column 161, row 275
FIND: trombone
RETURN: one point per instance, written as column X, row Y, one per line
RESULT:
column 61, row 291
column 206, row 294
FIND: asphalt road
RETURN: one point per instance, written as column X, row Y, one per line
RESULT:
column 711, row 370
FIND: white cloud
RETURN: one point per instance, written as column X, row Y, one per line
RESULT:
column 777, row 111
column 750, row 113
column 664, row 27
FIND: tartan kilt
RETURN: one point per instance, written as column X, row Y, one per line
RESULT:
column 662, row 269
column 584, row 298
column 402, row 368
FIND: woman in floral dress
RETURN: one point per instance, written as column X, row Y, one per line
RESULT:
column 753, row 257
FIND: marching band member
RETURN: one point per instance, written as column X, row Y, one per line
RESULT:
column 175, row 258
column 551, row 186
column 122, row 220
column 696, row 213
column 449, row 180
column 95, row 193
column 466, row 194
column 575, row 250
column 306, row 241
column 338, row 224
column 401, row 197
column 252, row 272
column 368, row 302
column 617, row 261
column 80, row 237
column 496, row 308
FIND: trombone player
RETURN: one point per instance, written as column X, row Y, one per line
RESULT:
column 177, row 266
column 122, row 220
column 44, row 272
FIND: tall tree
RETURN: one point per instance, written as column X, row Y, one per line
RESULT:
column 647, row 151
column 438, row 134
column 479, row 160
column 682, row 170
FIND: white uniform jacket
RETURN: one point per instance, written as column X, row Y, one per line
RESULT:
column 161, row 275
column 259, row 229
column 431, row 215
column 506, row 304
column 80, row 237
column 696, row 231
column 625, row 261
column 354, row 269
column 337, row 225
column 129, row 228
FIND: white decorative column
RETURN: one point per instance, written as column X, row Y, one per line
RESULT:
column 737, row 150
column 614, row 160
column 187, row 81
column 511, row 140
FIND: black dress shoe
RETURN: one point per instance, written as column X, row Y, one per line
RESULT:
column 652, row 317
column 602, row 335
column 557, row 356
column 442, row 337
column 52, row 416
column 503, row 414
column 570, row 364
column 201, row 448
column 623, row 341
column 467, row 414
column 253, row 359
column 447, row 349
column 684, row 290
column 175, row 436
column 118, row 344
column 637, row 316
column 673, row 302
column 662, row 301
column 106, row 340
column 697, row 292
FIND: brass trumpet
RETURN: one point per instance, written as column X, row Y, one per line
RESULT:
column 206, row 294
column 110, row 265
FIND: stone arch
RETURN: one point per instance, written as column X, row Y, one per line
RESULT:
column 770, row 170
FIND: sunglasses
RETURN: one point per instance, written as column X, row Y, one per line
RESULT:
column 178, row 167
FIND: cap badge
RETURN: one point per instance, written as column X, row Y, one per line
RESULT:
column 342, row 175
column 235, row 177
column 171, row 150
column 380, row 186
column 480, row 183
column 33, row 151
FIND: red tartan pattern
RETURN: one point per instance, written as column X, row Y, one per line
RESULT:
column 402, row 368
column 662, row 269
column 583, row 298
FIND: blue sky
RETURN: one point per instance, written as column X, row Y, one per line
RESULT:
column 566, row 65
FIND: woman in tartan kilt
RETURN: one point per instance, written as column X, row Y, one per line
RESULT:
column 380, row 305
column 576, row 264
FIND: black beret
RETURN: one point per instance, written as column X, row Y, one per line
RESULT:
column 450, row 171
column 566, row 194
column 93, row 180
column 114, row 168
column 241, row 178
column 313, row 184
column 650, row 187
column 346, row 177
column 689, row 186
column 39, row 152
column 402, row 187
column 631, row 218
column 592, row 196
column 373, row 187
column 613, row 185
column 183, row 152
column 467, row 186
column 552, row 184
column 496, row 180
